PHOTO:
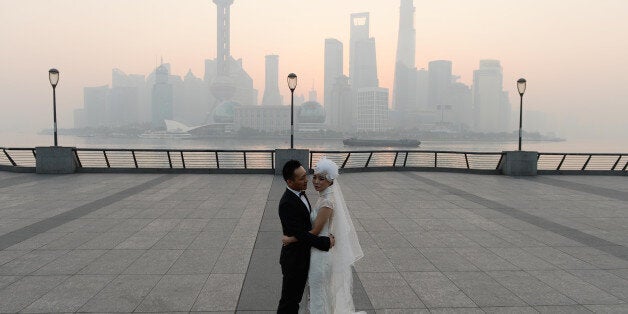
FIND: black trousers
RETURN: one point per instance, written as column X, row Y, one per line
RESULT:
column 294, row 267
column 292, row 288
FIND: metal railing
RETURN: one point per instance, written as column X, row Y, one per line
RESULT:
column 17, row 157
column 92, row 159
column 581, row 162
column 153, row 160
column 412, row 160
column 262, row 161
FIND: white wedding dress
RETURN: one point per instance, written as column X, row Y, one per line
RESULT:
column 319, row 275
column 330, row 275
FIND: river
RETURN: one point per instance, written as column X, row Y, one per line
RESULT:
column 8, row 139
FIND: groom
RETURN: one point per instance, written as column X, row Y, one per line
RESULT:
column 294, row 212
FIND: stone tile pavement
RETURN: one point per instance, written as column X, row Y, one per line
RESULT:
column 433, row 243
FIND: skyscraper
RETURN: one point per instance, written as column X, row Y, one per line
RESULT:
column 271, row 90
column 490, row 103
column 341, row 111
column 162, row 98
column 422, row 88
column 192, row 109
column 123, row 106
column 362, row 55
column 406, row 43
column 95, row 104
column 333, row 68
column 125, row 98
column 461, row 105
column 439, row 83
column 404, row 90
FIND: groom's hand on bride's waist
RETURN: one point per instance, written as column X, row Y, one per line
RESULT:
column 332, row 240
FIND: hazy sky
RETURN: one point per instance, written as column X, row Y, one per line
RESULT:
column 573, row 53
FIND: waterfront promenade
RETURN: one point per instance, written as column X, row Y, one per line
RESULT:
column 433, row 242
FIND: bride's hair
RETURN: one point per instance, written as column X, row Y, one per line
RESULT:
column 327, row 167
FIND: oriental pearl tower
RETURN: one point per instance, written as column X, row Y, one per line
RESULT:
column 223, row 87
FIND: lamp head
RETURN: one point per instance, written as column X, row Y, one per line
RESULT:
column 292, row 81
column 53, row 76
column 521, row 86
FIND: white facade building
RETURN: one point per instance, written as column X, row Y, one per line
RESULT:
column 372, row 109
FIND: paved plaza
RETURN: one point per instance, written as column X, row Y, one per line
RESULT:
column 433, row 243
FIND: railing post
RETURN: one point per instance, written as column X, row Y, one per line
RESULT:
column 182, row 159
column 106, row 159
column 586, row 163
column 499, row 163
column 345, row 162
column 368, row 160
column 561, row 162
column 395, row 161
column 217, row 161
column 466, row 159
column 169, row 159
column 616, row 162
column 134, row 159
column 311, row 159
column 78, row 160
column 405, row 159
column 244, row 153
column 435, row 159
column 625, row 166
column 272, row 160
column 34, row 153
column 9, row 157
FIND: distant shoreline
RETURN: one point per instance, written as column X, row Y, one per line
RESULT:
column 421, row 136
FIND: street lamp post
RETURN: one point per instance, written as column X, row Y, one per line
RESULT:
column 521, row 87
column 292, row 84
column 53, row 76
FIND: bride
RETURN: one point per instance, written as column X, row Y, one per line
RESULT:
column 330, row 275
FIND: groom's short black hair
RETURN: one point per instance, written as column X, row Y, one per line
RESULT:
column 289, row 168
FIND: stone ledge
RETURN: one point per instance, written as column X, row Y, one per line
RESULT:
column 283, row 155
column 55, row 160
column 519, row 163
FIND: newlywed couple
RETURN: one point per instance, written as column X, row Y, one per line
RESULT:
column 319, row 242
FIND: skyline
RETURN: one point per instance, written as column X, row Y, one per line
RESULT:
column 185, row 35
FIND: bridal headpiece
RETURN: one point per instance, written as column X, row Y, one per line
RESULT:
column 327, row 167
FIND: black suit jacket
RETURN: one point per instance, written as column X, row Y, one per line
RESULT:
column 295, row 221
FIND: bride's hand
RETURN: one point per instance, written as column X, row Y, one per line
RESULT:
column 287, row 240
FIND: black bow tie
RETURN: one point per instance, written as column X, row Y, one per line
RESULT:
column 308, row 201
